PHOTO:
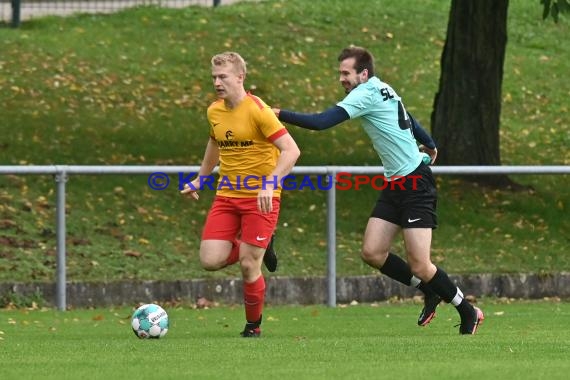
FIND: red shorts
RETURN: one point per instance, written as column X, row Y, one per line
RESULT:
column 229, row 217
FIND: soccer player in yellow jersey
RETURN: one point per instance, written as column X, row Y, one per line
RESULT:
column 254, row 152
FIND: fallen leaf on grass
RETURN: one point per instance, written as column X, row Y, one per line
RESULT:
column 7, row 223
column 133, row 253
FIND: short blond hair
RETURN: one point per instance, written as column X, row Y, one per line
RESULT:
column 231, row 58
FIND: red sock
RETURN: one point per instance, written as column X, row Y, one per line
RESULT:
column 234, row 253
column 253, row 297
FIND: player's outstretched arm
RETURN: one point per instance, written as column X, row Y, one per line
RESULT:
column 313, row 121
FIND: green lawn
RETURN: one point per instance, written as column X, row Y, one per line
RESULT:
column 518, row 340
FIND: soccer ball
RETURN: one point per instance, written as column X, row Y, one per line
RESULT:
column 150, row 321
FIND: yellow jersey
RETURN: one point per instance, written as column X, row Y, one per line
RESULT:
column 244, row 136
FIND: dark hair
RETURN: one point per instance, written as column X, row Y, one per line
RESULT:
column 363, row 58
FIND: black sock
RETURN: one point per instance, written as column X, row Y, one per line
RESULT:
column 425, row 288
column 442, row 285
column 397, row 269
column 464, row 308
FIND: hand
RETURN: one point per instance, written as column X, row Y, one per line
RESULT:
column 265, row 201
column 431, row 152
column 191, row 190
column 276, row 111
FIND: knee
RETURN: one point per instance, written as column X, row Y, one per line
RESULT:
column 423, row 270
column 366, row 255
column 248, row 264
column 210, row 265
column 211, row 262
column 373, row 257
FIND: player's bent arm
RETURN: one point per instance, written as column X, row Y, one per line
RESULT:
column 420, row 134
column 287, row 158
column 427, row 144
column 209, row 162
column 316, row 121
column 211, row 158
column 289, row 153
column 431, row 152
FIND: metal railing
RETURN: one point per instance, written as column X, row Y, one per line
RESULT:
column 62, row 173
column 27, row 9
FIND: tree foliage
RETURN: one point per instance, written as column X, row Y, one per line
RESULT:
column 554, row 8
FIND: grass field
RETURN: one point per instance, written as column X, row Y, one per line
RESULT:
column 131, row 88
column 518, row 340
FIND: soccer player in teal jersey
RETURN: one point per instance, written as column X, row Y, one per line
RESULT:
column 409, row 207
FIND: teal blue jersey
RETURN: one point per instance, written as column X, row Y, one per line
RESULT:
column 386, row 122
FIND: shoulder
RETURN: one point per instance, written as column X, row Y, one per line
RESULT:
column 364, row 92
column 370, row 87
column 257, row 101
column 375, row 83
column 215, row 105
column 258, row 109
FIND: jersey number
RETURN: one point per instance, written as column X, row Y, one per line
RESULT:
column 403, row 119
column 386, row 94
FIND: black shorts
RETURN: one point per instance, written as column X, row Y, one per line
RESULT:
column 409, row 201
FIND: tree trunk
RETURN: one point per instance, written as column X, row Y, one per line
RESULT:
column 467, row 107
